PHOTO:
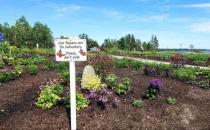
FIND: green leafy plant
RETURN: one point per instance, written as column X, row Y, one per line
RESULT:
column 138, row 103
column 1, row 63
column 49, row 96
column 33, row 69
column 122, row 88
column 171, row 100
column 65, row 76
column 185, row 73
column 111, row 80
column 19, row 70
column 6, row 76
column 81, row 101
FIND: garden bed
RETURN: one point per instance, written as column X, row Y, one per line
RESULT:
column 17, row 99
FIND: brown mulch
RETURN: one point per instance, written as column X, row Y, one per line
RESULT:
column 190, row 113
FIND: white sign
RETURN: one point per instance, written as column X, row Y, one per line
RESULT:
column 73, row 49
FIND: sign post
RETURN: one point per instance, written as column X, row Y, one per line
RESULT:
column 72, row 49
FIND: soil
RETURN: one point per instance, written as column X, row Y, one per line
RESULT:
column 191, row 112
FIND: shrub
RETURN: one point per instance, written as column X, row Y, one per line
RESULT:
column 81, row 101
column 19, row 70
column 171, row 100
column 197, row 58
column 149, row 71
column 33, row 69
column 136, row 65
column 138, row 103
column 123, row 87
column 178, row 60
column 111, row 80
column 154, row 89
column 101, row 63
column 49, row 96
column 122, row 63
column 1, row 63
column 92, row 82
column 57, row 89
column 6, row 76
column 65, row 76
column 185, row 73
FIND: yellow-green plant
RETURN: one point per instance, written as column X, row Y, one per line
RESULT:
column 49, row 96
column 92, row 82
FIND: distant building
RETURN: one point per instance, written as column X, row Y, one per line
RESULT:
column 95, row 49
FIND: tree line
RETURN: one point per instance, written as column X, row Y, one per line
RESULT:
column 129, row 42
column 22, row 34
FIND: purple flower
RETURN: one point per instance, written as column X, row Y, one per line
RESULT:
column 104, row 91
column 1, row 37
column 92, row 95
column 103, row 99
column 116, row 100
column 155, row 83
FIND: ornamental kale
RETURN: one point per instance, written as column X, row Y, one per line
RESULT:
column 153, row 90
column 155, row 83
column 102, row 98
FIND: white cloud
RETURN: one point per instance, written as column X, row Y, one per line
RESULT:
column 201, row 27
column 114, row 14
column 199, row 5
column 147, row 18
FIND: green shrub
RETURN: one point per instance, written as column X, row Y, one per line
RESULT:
column 136, row 65
column 123, row 87
column 10, row 61
column 138, row 103
column 171, row 100
column 81, row 102
column 1, row 63
column 122, row 63
column 6, row 76
column 185, row 73
column 197, row 58
column 57, row 89
column 49, row 96
column 33, row 69
column 19, row 70
column 65, row 76
column 111, row 80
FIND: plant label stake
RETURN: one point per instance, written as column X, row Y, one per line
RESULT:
column 37, row 46
column 72, row 49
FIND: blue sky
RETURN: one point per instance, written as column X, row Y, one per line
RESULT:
column 177, row 23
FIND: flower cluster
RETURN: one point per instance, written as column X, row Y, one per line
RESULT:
column 156, row 83
column 149, row 71
column 153, row 90
column 1, row 37
column 102, row 97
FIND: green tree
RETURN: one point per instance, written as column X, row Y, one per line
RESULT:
column 22, row 32
column 154, row 42
column 90, row 42
column 42, row 35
